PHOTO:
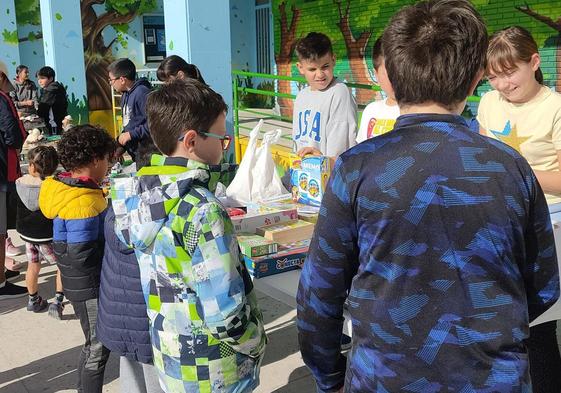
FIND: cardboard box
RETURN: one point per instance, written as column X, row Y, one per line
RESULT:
column 254, row 219
column 287, row 232
column 255, row 245
column 309, row 177
column 289, row 257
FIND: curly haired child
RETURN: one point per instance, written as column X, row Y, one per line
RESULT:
column 76, row 203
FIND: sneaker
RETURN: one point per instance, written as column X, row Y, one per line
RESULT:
column 11, row 274
column 11, row 250
column 55, row 310
column 346, row 342
column 10, row 291
column 38, row 305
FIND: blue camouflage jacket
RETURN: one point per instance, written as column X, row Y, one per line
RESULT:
column 440, row 239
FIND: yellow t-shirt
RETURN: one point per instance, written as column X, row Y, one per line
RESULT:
column 532, row 128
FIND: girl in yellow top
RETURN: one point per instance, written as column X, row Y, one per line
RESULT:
column 526, row 115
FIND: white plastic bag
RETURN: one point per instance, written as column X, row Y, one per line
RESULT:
column 257, row 179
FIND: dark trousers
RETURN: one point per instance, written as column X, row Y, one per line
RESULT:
column 545, row 362
column 94, row 356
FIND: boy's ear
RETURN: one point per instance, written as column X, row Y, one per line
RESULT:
column 189, row 140
column 300, row 68
column 180, row 75
column 476, row 81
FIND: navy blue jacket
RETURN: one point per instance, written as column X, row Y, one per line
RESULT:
column 441, row 242
column 133, row 103
column 122, row 322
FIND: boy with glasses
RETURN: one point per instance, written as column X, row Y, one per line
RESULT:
column 122, row 78
column 207, row 330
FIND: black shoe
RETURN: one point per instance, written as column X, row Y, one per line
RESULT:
column 11, row 274
column 10, row 291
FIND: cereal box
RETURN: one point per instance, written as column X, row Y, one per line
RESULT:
column 309, row 177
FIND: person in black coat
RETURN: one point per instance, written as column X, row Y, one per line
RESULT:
column 53, row 103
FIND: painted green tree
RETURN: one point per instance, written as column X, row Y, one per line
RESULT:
column 352, row 25
column 28, row 13
column 555, row 24
column 98, row 54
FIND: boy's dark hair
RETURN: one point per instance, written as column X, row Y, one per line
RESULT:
column 44, row 159
column 313, row 46
column 171, row 65
column 179, row 106
column 123, row 67
column 433, row 51
column 46, row 72
column 20, row 68
column 144, row 152
column 377, row 53
column 81, row 145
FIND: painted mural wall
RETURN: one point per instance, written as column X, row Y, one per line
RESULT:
column 354, row 26
column 110, row 29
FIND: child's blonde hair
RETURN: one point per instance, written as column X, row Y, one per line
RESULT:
column 509, row 46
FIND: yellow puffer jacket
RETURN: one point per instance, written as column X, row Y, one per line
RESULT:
column 77, row 208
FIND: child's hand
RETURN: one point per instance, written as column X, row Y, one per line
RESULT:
column 305, row 151
column 124, row 138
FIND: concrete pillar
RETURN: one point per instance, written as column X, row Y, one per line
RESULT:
column 199, row 31
column 9, row 45
column 64, row 51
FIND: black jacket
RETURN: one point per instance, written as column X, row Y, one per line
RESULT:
column 31, row 224
column 53, row 101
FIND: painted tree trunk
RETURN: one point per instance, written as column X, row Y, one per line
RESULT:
column 286, row 105
column 284, row 57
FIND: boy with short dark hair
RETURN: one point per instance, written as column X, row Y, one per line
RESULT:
column 76, row 204
column 206, row 328
column 440, row 237
column 53, row 102
column 379, row 116
column 324, row 117
column 122, row 78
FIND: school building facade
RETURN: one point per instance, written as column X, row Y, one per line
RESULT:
column 80, row 38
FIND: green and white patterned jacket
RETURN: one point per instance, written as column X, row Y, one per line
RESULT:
column 206, row 328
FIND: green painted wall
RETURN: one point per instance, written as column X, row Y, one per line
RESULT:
column 369, row 17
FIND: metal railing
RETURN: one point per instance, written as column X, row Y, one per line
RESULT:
column 237, row 89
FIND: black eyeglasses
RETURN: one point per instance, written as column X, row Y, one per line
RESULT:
column 111, row 80
column 226, row 139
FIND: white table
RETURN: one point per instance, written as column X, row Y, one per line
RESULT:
column 284, row 286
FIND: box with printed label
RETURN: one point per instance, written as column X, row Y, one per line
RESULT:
column 255, row 245
column 254, row 219
column 287, row 232
column 309, row 177
column 289, row 257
